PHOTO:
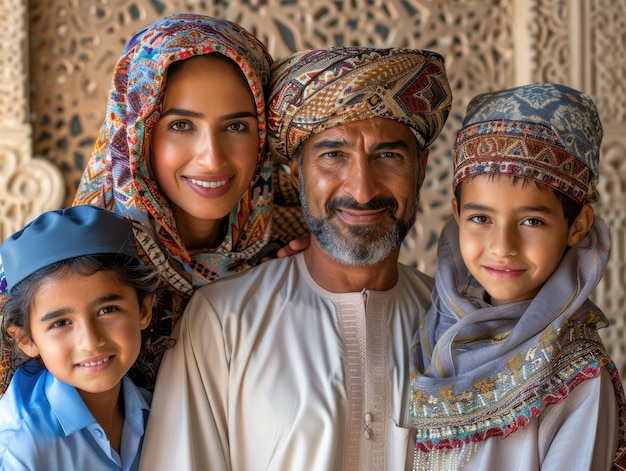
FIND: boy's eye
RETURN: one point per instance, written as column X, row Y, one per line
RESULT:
column 107, row 310
column 479, row 219
column 533, row 222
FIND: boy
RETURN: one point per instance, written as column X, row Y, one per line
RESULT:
column 78, row 299
column 508, row 371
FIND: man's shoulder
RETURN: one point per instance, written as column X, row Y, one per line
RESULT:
column 412, row 274
column 266, row 272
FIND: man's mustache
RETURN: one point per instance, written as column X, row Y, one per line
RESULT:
column 345, row 202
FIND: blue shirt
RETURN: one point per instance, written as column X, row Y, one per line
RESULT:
column 44, row 424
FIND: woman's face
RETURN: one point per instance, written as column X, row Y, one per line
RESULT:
column 205, row 146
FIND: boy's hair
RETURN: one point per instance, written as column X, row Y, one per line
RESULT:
column 571, row 207
column 16, row 308
column 544, row 132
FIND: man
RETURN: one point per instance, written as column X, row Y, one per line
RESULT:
column 302, row 363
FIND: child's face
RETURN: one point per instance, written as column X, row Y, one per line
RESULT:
column 512, row 236
column 205, row 144
column 87, row 329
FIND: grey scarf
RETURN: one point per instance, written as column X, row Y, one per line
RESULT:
column 479, row 370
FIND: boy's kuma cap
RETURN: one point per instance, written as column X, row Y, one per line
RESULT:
column 63, row 234
column 544, row 131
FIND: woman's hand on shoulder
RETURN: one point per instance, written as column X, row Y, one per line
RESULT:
column 294, row 247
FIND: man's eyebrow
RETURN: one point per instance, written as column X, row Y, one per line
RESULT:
column 335, row 143
column 331, row 144
column 399, row 144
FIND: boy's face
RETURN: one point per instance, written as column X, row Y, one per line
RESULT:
column 512, row 235
column 87, row 329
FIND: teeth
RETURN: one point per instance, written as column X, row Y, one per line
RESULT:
column 204, row 184
column 95, row 363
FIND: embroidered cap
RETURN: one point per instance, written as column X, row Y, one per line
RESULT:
column 312, row 91
column 63, row 234
column 548, row 132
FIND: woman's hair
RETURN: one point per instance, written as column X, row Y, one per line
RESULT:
column 15, row 310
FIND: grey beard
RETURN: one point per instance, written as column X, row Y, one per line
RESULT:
column 361, row 248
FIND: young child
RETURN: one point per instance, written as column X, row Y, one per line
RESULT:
column 79, row 297
column 508, row 371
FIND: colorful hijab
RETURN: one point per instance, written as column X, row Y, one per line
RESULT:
column 118, row 178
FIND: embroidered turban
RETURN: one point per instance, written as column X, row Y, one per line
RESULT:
column 548, row 132
column 312, row 91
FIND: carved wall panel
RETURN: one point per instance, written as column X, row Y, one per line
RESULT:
column 487, row 44
column 581, row 44
column 28, row 186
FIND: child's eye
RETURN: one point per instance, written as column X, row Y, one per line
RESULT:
column 107, row 310
column 479, row 219
column 59, row 323
column 533, row 222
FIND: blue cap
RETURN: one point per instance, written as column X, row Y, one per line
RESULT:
column 63, row 234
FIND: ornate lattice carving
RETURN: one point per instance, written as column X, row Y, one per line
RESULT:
column 581, row 43
column 27, row 186
column 74, row 45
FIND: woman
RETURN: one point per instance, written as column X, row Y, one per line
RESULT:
column 182, row 151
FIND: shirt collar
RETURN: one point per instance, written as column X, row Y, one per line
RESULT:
column 73, row 414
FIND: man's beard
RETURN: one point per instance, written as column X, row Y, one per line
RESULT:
column 361, row 246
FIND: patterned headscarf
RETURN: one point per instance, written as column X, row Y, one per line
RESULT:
column 548, row 132
column 312, row 91
column 118, row 178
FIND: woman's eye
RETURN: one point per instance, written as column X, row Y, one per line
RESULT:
column 237, row 127
column 180, row 126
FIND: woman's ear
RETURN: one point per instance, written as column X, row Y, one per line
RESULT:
column 581, row 225
column 23, row 341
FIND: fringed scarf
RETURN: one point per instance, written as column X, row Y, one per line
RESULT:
column 481, row 371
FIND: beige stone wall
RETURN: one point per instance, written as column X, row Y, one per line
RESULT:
column 56, row 59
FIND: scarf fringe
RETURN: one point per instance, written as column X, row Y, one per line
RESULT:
column 578, row 356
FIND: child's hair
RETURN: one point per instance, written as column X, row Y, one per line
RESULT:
column 17, row 305
column 571, row 207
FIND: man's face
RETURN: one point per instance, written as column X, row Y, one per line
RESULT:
column 359, row 188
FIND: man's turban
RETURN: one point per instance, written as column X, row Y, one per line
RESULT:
column 312, row 91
